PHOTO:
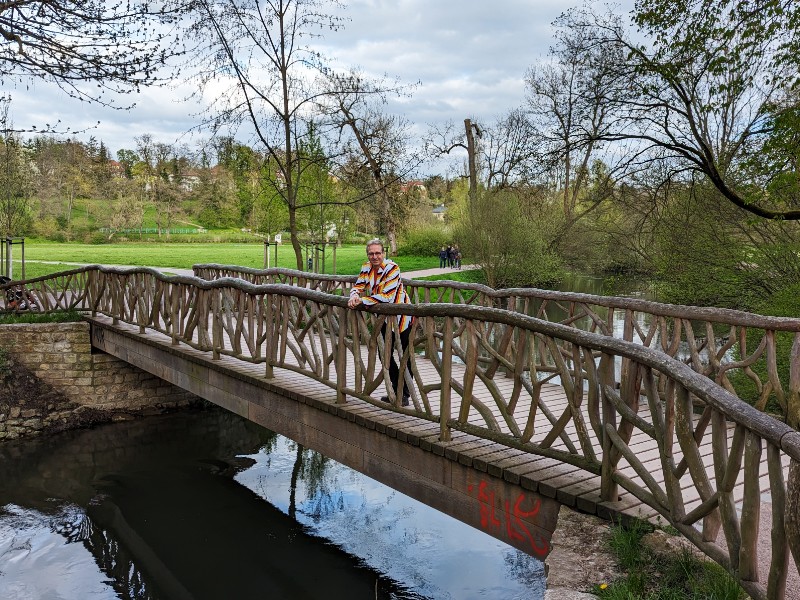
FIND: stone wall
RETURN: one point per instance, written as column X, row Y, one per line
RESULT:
column 52, row 380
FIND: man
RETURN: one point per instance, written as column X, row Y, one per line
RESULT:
column 443, row 258
column 379, row 281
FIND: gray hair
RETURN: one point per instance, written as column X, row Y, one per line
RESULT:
column 375, row 242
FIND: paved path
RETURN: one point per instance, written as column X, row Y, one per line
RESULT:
column 189, row 272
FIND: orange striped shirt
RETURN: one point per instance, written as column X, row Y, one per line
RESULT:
column 382, row 285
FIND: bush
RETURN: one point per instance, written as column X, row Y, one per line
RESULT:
column 426, row 240
column 785, row 303
column 69, row 316
column 508, row 238
column 96, row 237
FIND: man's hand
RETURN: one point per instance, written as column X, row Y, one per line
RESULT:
column 354, row 301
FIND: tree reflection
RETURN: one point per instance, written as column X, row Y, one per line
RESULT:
column 311, row 468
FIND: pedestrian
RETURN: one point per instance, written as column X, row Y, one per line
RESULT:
column 443, row 258
column 450, row 256
column 457, row 252
column 379, row 281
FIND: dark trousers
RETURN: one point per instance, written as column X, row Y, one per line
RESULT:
column 394, row 370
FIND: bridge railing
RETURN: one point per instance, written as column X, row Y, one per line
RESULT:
column 740, row 351
column 57, row 292
column 486, row 374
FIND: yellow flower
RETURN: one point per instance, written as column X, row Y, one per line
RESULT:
column 603, row 586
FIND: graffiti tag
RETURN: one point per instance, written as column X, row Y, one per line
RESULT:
column 511, row 519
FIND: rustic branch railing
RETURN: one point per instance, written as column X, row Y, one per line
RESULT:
column 490, row 367
column 736, row 349
column 58, row 292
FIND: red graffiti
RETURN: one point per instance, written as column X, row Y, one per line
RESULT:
column 516, row 529
column 488, row 518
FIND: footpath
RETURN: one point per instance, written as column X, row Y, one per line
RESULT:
column 188, row 272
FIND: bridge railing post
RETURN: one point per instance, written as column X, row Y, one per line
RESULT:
column 609, row 489
column 447, row 364
column 271, row 333
column 341, row 355
column 216, row 324
column 116, row 299
column 174, row 309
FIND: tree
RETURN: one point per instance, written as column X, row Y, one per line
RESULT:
column 15, row 180
column 374, row 141
column 567, row 102
column 705, row 93
column 261, row 50
column 160, row 171
column 217, row 198
column 119, row 46
column 505, row 233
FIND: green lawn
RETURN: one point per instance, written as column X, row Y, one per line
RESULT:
column 183, row 256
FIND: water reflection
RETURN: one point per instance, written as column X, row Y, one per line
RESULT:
column 174, row 507
column 392, row 533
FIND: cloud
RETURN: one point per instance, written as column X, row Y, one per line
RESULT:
column 469, row 57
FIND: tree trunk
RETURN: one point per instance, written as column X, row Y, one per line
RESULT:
column 298, row 250
column 473, row 170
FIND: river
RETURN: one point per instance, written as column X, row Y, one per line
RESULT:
column 203, row 504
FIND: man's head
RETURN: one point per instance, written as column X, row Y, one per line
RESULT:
column 375, row 252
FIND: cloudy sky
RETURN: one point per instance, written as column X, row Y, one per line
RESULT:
column 469, row 57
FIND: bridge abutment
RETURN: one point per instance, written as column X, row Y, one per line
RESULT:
column 67, row 384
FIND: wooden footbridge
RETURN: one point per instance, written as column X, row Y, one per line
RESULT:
column 522, row 399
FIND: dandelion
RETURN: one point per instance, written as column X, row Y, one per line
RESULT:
column 603, row 586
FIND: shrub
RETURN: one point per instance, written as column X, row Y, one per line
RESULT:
column 426, row 240
column 70, row 316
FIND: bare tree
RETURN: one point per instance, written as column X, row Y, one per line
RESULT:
column 380, row 142
column 119, row 46
column 261, row 53
column 567, row 100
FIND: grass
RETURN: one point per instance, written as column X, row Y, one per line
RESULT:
column 182, row 256
column 468, row 276
column 679, row 576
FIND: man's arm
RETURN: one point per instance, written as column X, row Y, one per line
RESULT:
column 358, row 288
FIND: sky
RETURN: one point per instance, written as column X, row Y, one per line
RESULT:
column 469, row 58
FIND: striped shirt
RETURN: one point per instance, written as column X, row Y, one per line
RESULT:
column 382, row 285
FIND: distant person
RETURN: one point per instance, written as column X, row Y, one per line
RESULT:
column 450, row 256
column 457, row 252
column 443, row 258
column 379, row 281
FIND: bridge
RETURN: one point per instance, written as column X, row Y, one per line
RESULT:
column 522, row 399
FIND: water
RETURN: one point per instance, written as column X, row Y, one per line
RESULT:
column 203, row 504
